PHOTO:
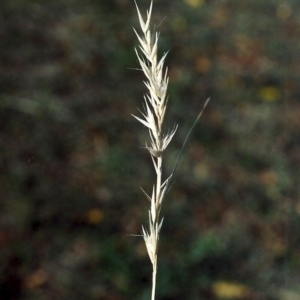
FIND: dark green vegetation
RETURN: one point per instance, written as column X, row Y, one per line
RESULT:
column 72, row 162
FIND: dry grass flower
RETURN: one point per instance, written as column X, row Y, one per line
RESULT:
column 155, row 104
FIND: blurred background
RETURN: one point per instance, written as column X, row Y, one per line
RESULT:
column 72, row 159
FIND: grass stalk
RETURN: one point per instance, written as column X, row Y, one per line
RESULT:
column 155, row 103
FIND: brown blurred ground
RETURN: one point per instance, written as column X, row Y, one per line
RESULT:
column 72, row 163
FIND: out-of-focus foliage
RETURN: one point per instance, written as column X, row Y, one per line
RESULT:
column 72, row 158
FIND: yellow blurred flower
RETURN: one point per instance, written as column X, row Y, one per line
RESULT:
column 94, row 216
column 284, row 11
column 179, row 24
column 202, row 64
column 36, row 279
column 269, row 93
column 268, row 177
column 229, row 290
column 194, row 3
